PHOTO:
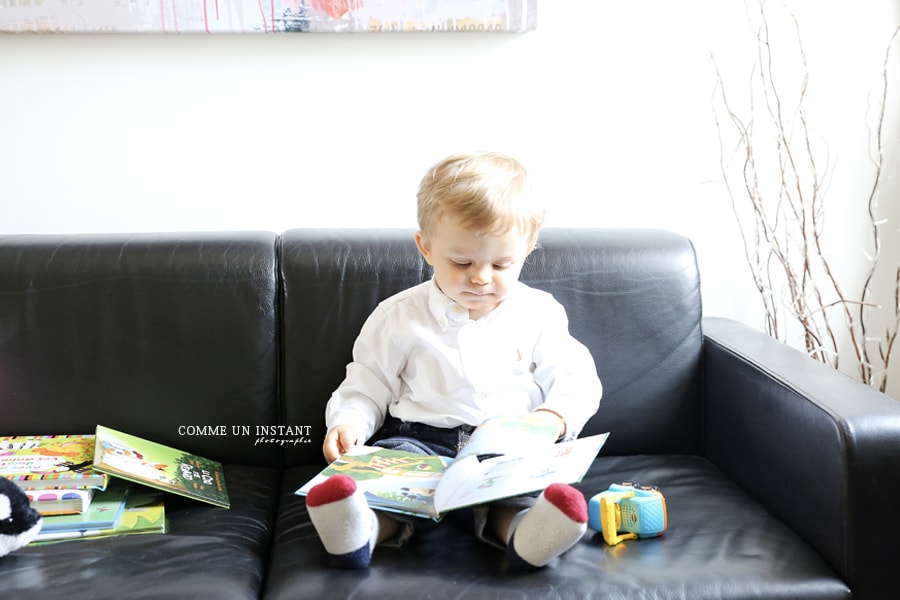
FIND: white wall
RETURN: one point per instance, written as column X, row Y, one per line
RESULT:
column 609, row 103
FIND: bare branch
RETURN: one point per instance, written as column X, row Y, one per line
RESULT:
column 784, row 188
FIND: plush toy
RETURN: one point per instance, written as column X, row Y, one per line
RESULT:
column 19, row 523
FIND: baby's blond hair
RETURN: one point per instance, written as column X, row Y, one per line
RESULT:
column 485, row 191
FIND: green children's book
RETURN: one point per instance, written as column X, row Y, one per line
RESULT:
column 159, row 466
column 486, row 469
column 145, row 512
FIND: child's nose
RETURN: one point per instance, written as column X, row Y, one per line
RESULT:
column 481, row 276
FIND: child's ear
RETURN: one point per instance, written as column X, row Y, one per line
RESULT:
column 424, row 247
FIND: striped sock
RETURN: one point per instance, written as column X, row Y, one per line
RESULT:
column 553, row 525
column 346, row 525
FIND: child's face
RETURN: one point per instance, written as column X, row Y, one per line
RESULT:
column 477, row 270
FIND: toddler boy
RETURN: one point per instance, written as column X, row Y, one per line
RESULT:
column 435, row 361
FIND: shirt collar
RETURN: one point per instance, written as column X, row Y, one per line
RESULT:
column 447, row 311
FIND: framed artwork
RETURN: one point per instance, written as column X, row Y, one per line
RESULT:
column 266, row 16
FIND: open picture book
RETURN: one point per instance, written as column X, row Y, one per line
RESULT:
column 505, row 457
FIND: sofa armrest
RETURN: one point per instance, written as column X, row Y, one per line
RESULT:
column 816, row 447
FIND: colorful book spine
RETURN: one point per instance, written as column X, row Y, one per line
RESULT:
column 59, row 502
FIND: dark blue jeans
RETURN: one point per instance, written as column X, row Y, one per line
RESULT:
column 420, row 438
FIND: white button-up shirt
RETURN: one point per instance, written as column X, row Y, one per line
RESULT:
column 420, row 358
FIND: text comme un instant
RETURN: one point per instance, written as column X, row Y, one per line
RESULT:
column 281, row 435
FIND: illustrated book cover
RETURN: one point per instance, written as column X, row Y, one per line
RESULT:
column 159, row 466
column 38, row 462
column 430, row 486
column 145, row 512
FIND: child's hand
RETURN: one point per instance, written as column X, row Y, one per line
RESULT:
column 549, row 417
column 339, row 440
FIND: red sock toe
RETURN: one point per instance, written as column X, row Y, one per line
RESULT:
column 336, row 487
column 568, row 500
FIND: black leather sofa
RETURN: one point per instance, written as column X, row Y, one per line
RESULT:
column 781, row 475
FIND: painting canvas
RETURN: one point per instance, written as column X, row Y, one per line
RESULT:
column 266, row 16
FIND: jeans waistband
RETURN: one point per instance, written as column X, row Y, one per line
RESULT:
column 442, row 439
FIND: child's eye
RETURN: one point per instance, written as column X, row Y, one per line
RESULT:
column 461, row 265
column 502, row 266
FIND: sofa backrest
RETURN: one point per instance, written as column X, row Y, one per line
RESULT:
column 632, row 296
column 164, row 336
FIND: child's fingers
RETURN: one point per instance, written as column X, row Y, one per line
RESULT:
column 347, row 439
column 339, row 440
column 331, row 447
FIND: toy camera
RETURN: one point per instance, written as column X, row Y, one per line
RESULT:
column 627, row 511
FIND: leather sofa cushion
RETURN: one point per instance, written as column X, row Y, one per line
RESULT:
column 209, row 552
column 720, row 544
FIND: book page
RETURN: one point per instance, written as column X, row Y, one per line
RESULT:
column 469, row 481
column 511, row 434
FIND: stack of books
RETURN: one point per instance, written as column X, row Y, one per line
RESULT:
column 123, row 508
column 105, row 484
